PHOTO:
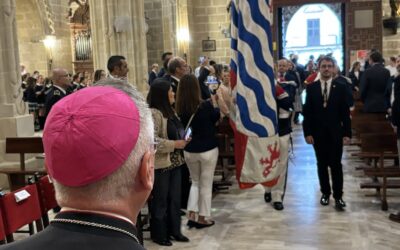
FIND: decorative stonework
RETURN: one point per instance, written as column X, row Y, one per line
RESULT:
column 14, row 121
column 117, row 29
column 47, row 16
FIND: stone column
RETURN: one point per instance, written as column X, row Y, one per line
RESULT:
column 182, row 27
column 118, row 28
column 169, row 25
column 14, row 118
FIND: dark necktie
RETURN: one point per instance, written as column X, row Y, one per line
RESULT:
column 325, row 94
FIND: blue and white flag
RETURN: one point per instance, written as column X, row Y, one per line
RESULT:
column 253, row 82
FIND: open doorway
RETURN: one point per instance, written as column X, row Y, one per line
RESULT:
column 312, row 30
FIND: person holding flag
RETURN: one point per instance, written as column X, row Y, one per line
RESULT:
column 255, row 120
column 285, row 107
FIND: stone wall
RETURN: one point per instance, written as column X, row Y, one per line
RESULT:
column 62, row 53
column 391, row 42
column 355, row 38
column 30, row 31
column 32, row 28
column 363, row 38
column 155, row 43
column 206, row 21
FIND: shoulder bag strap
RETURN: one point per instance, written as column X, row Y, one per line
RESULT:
column 191, row 118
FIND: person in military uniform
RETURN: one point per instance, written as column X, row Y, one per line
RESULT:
column 61, row 82
column 102, row 190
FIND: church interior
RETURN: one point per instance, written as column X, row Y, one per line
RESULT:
column 80, row 36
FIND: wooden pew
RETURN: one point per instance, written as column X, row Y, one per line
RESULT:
column 22, row 146
column 362, row 118
column 223, row 168
column 225, row 164
column 372, row 127
column 382, row 146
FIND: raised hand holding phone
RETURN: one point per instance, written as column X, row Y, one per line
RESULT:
column 212, row 84
column 188, row 134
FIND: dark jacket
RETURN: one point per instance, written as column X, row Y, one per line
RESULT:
column 162, row 72
column 373, row 87
column 354, row 80
column 67, row 236
column 41, row 97
column 346, row 82
column 30, row 95
column 334, row 119
column 152, row 77
column 205, row 92
column 173, row 81
column 203, row 128
column 285, row 106
column 396, row 105
column 54, row 95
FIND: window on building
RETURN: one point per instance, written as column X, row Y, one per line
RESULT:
column 313, row 33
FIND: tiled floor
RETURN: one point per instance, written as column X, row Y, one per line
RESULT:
column 245, row 221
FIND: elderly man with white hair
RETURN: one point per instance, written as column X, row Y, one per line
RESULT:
column 100, row 155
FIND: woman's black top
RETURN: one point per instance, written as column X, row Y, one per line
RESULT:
column 203, row 128
column 175, row 129
column 41, row 98
column 205, row 92
column 29, row 95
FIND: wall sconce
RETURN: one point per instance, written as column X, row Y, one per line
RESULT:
column 50, row 42
column 183, row 35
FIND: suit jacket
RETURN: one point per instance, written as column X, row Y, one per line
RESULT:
column 396, row 106
column 152, row 77
column 174, row 82
column 52, row 98
column 204, row 90
column 335, row 118
column 67, row 236
column 373, row 87
column 162, row 72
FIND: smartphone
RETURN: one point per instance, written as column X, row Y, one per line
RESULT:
column 188, row 134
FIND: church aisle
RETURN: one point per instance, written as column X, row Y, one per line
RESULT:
column 245, row 221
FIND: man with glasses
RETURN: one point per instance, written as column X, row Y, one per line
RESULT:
column 61, row 82
column 327, row 127
column 177, row 67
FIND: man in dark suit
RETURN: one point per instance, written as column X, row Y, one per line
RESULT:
column 327, row 127
column 177, row 67
column 373, row 85
column 166, row 56
column 99, row 146
column 153, row 73
column 61, row 83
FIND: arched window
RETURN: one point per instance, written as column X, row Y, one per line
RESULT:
column 312, row 29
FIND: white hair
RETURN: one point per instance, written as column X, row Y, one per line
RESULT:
column 120, row 183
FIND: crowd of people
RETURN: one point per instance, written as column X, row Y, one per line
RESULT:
column 40, row 92
column 186, row 105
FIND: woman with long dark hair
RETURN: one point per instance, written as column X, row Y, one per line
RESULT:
column 165, row 222
column 201, row 153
